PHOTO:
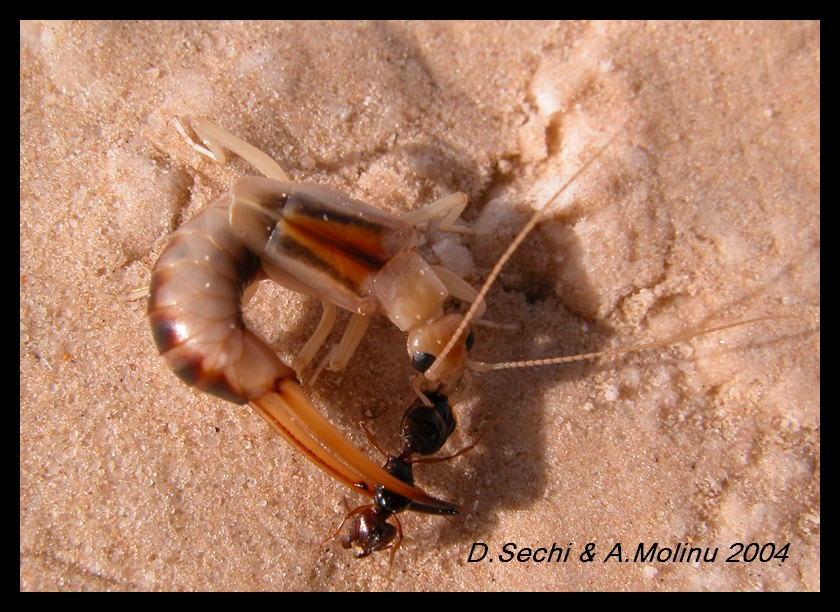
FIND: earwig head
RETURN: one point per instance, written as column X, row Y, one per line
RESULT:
column 370, row 532
column 426, row 343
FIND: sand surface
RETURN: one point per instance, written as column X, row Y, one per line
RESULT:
column 704, row 209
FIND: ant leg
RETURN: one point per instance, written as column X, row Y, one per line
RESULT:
column 463, row 451
column 398, row 540
column 373, row 441
column 216, row 139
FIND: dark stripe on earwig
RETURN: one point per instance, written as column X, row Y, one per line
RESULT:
column 310, row 208
column 188, row 367
column 350, row 271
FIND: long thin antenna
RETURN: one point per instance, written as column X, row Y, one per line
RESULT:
column 494, row 273
column 530, row 363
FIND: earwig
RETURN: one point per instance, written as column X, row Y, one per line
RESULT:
column 197, row 284
column 319, row 242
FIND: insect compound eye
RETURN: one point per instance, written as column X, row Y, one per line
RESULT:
column 470, row 340
column 422, row 361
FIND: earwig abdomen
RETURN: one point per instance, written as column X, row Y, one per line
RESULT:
column 195, row 311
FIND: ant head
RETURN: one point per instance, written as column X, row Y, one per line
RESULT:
column 426, row 343
column 370, row 532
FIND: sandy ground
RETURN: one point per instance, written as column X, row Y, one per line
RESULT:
column 704, row 209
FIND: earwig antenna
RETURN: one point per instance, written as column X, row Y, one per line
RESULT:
column 486, row 367
column 494, row 273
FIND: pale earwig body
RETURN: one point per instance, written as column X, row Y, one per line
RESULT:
column 196, row 317
column 318, row 241
column 195, row 305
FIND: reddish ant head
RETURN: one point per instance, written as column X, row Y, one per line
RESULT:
column 370, row 531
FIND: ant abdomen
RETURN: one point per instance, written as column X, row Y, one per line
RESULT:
column 425, row 429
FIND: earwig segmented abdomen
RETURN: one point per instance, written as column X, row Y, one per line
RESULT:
column 196, row 315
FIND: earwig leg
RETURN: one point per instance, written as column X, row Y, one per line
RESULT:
column 307, row 353
column 316, row 341
column 338, row 356
column 310, row 382
column 216, row 139
column 459, row 288
column 448, row 208
column 249, row 291
column 462, row 290
column 284, row 279
column 356, row 330
column 211, row 150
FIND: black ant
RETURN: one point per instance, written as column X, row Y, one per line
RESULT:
column 424, row 429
